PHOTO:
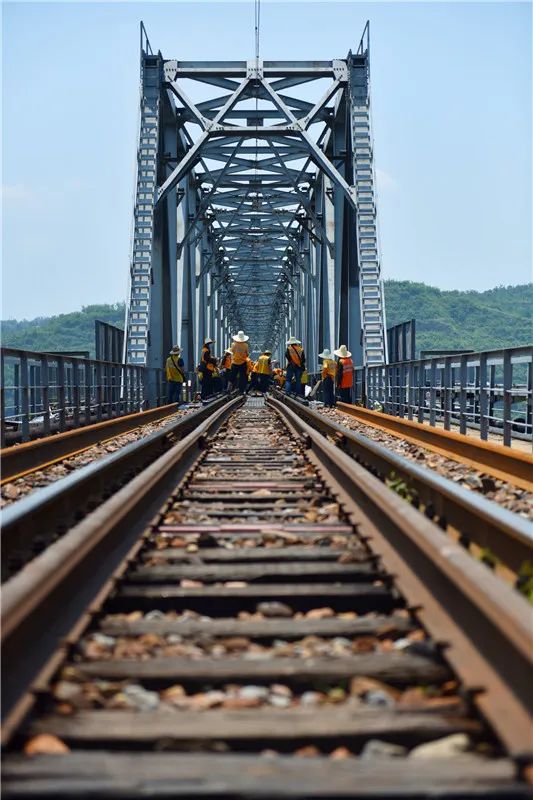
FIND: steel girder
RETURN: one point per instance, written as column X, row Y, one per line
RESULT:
column 255, row 208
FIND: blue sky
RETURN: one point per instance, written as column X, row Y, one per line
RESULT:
column 451, row 89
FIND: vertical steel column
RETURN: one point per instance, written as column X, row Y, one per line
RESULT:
column 462, row 395
column 61, row 392
column 507, row 398
column 76, row 391
column 372, row 307
column 137, row 334
column 88, row 391
column 483, row 398
column 433, row 392
column 447, row 394
column 421, row 392
column 98, row 390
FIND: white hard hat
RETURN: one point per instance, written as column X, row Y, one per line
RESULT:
column 294, row 340
column 325, row 354
column 240, row 337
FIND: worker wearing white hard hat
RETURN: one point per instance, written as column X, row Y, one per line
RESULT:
column 239, row 356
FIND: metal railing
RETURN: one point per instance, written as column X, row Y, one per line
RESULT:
column 489, row 391
column 42, row 393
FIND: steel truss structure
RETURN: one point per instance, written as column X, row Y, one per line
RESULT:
column 255, row 208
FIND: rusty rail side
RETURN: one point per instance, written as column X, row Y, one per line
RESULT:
column 483, row 626
column 501, row 462
column 46, row 606
column 55, row 507
column 21, row 459
column 508, row 536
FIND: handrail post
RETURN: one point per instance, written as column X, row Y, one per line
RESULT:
column 25, row 398
column 507, row 398
column 61, row 391
column 45, row 394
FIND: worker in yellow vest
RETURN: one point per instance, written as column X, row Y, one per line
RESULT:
column 225, row 368
column 344, row 373
column 295, row 365
column 239, row 354
column 263, row 368
column 329, row 373
column 175, row 374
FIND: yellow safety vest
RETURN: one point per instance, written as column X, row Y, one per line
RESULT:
column 329, row 368
column 263, row 365
column 174, row 371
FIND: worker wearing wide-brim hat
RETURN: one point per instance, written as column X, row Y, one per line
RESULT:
column 329, row 372
column 295, row 365
column 239, row 356
column 175, row 374
column 344, row 373
column 263, row 368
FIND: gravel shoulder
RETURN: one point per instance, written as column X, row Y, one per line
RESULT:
column 21, row 487
column 513, row 498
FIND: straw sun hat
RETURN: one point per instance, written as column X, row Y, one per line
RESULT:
column 342, row 352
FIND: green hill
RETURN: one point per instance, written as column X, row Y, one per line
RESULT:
column 73, row 331
column 500, row 317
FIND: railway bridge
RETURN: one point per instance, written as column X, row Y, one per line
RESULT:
column 255, row 207
column 254, row 595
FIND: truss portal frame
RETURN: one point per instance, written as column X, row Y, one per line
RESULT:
column 255, row 208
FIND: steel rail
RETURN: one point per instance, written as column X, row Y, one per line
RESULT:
column 23, row 459
column 508, row 536
column 31, row 522
column 513, row 466
column 483, row 626
column 47, row 605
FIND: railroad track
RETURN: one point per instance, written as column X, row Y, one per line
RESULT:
column 31, row 524
column 513, row 466
column 252, row 597
column 480, row 525
column 23, row 459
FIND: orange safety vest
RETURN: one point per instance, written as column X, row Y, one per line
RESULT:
column 239, row 353
column 226, row 361
column 296, row 354
column 329, row 368
column 346, row 379
column 249, row 366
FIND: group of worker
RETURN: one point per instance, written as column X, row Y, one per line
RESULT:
column 335, row 374
column 235, row 371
